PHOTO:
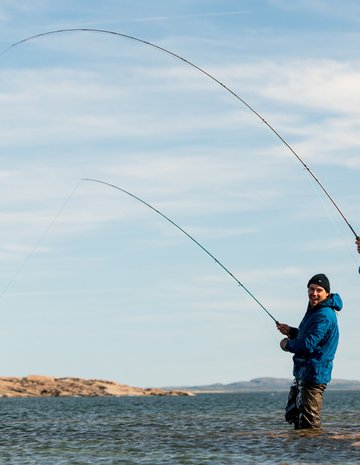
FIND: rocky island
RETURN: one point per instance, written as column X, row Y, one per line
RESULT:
column 48, row 386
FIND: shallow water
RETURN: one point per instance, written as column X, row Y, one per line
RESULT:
column 216, row 429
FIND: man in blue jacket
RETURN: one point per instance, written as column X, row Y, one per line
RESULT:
column 314, row 345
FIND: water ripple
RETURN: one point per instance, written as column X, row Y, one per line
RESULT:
column 228, row 429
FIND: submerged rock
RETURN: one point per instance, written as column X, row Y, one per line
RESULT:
column 49, row 386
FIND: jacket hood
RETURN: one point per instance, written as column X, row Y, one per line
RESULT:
column 333, row 301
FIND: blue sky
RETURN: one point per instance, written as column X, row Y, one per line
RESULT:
column 95, row 284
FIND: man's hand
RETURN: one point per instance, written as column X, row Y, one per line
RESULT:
column 283, row 328
column 283, row 343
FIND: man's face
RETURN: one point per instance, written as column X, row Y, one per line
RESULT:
column 316, row 294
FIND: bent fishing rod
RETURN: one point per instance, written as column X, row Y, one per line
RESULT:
column 186, row 234
column 213, row 78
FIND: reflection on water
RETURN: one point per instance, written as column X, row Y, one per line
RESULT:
column 234, row 429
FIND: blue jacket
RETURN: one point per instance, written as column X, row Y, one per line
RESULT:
column 315, row 342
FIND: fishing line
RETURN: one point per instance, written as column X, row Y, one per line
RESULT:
column 187, row 234
column 36, row 246
column 335, row 224
column 210, row 76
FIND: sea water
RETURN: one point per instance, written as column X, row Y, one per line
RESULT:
column 207, row 429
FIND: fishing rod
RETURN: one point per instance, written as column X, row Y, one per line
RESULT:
column 213, row 78
column 188, row 235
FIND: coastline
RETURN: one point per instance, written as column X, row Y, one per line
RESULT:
column 49, row 386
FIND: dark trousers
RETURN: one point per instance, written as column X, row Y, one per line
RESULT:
column 304, row 404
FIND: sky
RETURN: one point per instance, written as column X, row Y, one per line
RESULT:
column 95, row 284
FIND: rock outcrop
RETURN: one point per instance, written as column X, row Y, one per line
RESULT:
column 48, row 386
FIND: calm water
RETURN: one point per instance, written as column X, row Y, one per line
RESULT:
column 202, row 430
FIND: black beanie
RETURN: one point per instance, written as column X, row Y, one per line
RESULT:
column 320, row 280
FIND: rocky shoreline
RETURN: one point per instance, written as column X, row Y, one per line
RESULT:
column 48, row 386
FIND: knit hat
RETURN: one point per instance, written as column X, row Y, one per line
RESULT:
column 320, row 280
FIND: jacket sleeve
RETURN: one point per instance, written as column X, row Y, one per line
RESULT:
column 293, row 333
column 306, row 342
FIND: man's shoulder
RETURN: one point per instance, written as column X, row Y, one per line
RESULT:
column 326, row 313
column 321, row 313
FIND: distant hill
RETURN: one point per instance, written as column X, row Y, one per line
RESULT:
column 266, row 384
